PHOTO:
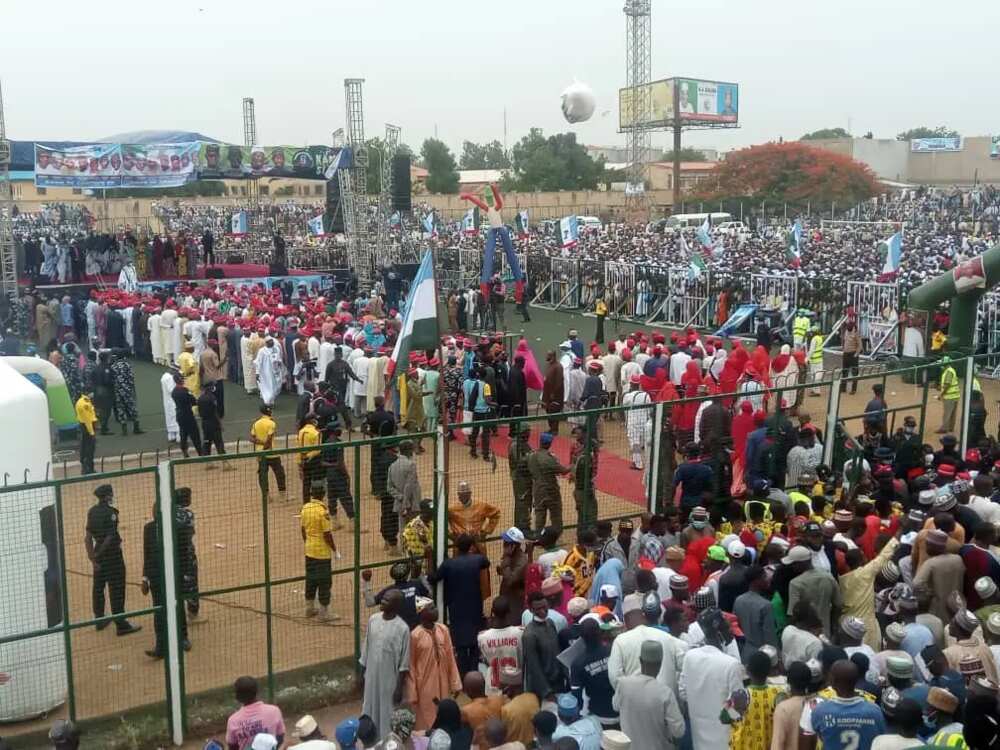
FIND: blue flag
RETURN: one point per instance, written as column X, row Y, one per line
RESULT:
column 316, row 226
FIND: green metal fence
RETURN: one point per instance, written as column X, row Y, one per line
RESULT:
column 249, row 605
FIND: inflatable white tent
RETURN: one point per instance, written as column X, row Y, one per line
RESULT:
column 30, row 589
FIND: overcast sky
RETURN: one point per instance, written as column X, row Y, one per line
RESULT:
column 81, row 71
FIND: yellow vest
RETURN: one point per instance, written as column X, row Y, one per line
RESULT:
column 949, row 384
column 800, row 326
column 976, row 385
column 816, row 349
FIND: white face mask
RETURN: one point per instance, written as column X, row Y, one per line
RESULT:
column 536, row 618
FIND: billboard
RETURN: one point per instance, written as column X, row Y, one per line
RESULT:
column 707, row 101
column 661, row 110
column 158, row 165
column 926, row 145
column 221, row 160
column 96, row 165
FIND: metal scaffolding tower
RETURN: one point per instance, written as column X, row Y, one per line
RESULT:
column 357, row 215
column 389, row 146
column 249, row 140
column 8, row 258
column 638, row 73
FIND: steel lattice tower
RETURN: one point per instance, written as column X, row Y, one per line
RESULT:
column 638, row 73
column 359, row 246
column 8, row 258
column 249, row 139
column 389, row 146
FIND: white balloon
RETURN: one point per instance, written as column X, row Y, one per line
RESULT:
column 578, row 102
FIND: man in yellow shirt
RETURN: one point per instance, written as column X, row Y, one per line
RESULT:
column 262, row 434
column 310, row 462
column 317, row 536
column 949, row 395
column 189, row 368
column 87, row 417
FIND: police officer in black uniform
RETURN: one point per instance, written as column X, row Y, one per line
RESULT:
column 153, row 583
column 187, row 556
column 104, row 548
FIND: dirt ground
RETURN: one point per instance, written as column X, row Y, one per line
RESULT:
column 112, row 674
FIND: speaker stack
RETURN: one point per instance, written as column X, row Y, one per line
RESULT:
column 333, row 219
column 401, row 188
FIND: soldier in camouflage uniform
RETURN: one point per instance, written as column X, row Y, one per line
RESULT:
column 547, row 497
column 520, row 476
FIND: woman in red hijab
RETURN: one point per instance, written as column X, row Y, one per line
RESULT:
column 743, row 425
column 732, row 371
column 761, row 359
column 695, row 555
column 684, row 416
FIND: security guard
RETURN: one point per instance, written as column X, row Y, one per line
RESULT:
column 800, row 327
column 87, row 418
column 815, row 357
column 153, row 584
column 584, row 472
column 104, row 548
column 949, row 395
column 311, row 461
column 520, row 476
column 317, row 537
column 546, row 495
column 187, row 556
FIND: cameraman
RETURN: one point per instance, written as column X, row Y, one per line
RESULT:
column 337, row 375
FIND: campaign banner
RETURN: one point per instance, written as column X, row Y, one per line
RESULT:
column 238, row 225
column 925, row 145
column 569, row 231
column 158, row 165
column 995, row 147
column 228, row 160
column 97, row 165
column 707, row 101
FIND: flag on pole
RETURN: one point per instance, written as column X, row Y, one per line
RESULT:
column 341, row 161
column 892, row 252
column 469, row 222
column 704, row 234
column 685, row 250
column 569, row 231
column 420, row 319
column 522, row 223
column 394, row 220
column 316, row 226
column 794, row 247
column 429, row 225
column 696, row 267
column 238, row 224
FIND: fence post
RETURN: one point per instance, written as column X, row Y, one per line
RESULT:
column 170, row 603
column 920, row 371
column 654, row 458
column 832, row 407
column 268, row 630
column 63, row 585
column 970, row 374
column 357, row 555
column 440, row 506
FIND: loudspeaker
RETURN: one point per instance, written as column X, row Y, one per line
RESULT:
column 333, row 219
column 401, row 189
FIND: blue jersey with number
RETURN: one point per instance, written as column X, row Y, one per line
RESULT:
column 851, row 724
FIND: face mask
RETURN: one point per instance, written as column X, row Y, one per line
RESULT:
column 909, row 430
column 536, row 618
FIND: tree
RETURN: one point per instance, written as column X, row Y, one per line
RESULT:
column 484, row 156
column 824, row 133
column 376, row 150
column 442, row 176
column 687, row 154
column 790, row 173
column 925, row 132
column 554, row 163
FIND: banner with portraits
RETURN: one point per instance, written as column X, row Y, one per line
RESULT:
column 113, row 165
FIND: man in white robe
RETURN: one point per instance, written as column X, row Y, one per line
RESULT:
column 385, row 659
column 128, row 279
column 325, row 357
column 375, row 385
column 167, row 384
column 708, row 679
column 249, row 374
column 155, row 342
column 270, row 371
column 168, row 341
column 358, row 389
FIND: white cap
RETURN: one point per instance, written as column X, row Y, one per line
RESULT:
column 632, row 603
column 264, row 741
column 736, row 549
column 305, row 726
column 796, row 554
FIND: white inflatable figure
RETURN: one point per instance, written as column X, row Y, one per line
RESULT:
column 578, row 102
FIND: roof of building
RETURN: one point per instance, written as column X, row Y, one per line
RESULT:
column 688, row 166
column 467, row 176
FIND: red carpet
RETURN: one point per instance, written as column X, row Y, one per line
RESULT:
column 232, row 271
column 615, row 475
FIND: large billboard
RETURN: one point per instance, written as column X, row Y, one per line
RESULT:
column 707, row 101
column 691, row 100
column 661, row 109
column 925, row 145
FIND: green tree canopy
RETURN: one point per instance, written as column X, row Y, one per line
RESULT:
column 442, row 174
column 554, row 163
column 484, row 156
column 824, row 133
column 925, row 132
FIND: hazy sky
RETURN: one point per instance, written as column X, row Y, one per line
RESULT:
column 81, row 71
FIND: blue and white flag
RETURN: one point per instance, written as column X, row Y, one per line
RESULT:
column 892, row 250
column 316, row 226
column 704, row 234
column 238, row 223
column 469, row 222
column 794, row 248
column 522, row 223
column 341, row 161
column 428, row 222
column 569, row 231
column 696, row 267
column 685, row 250
column 394, row 219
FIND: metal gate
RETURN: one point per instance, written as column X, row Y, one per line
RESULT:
column 877, row 308
column 987, row 336
column 688, row 301
column 565, row 289
column 620, row 290
column 652, row 291
column 591, row 282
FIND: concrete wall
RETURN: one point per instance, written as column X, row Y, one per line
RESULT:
column 887, row 157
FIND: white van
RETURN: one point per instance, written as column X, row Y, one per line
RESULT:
column 589, row 222
column 696, row 220
column 737, row 228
